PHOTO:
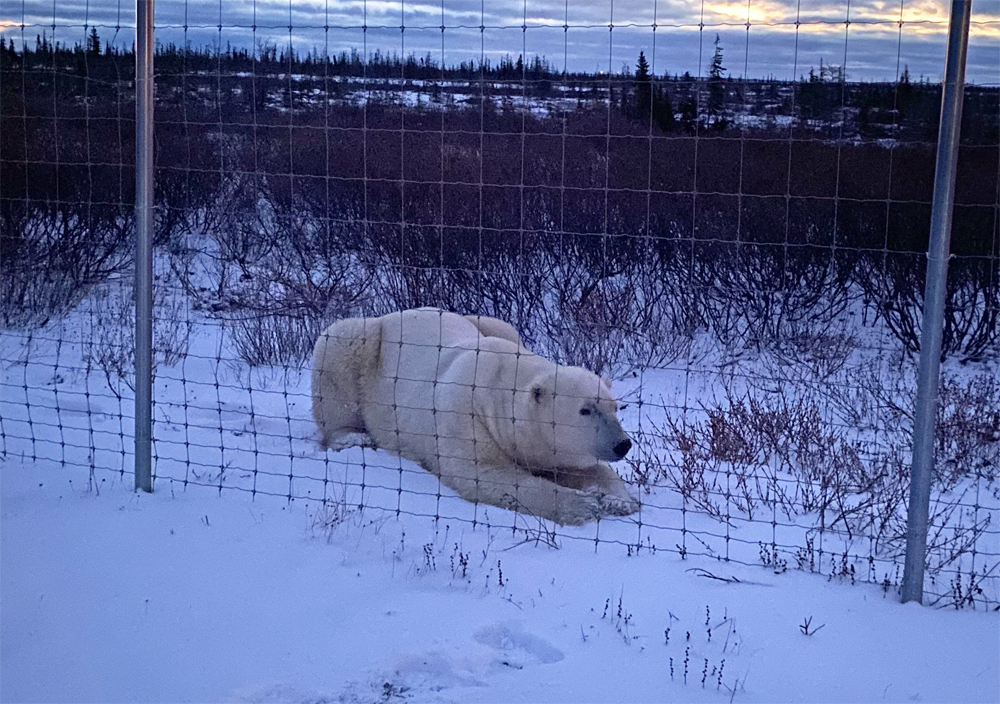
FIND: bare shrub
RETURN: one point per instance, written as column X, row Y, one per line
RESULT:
column 513, row 288
column 822, row 353
column 564, row 307
column 967, row 425
column 587, row 323
column 395, row 286
column 761, row 297
column 51, row 259
column 775, row 450
column 274, row 277
column 267, row 340
column 638, row 314
column 244, row 219
column 665, row 314
column 895, row 287
column 109, row 341
column 277, row 308
column 968, row 430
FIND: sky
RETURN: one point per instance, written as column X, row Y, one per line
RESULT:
column 880, row 39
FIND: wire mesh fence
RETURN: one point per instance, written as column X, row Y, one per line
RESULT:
column 724, row 208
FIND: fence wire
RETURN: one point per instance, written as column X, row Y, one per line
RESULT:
column 722, row 207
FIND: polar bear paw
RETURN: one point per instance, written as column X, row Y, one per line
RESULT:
column 347, row 440
column 618, row 504
column 592, row 506
column 574, row 507
column 584, row 508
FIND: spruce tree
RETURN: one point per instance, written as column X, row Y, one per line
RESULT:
column 643, row 88
column 94, row 43
column 716, row 85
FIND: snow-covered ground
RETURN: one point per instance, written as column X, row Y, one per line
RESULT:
column 188, row 596
column 253, row 574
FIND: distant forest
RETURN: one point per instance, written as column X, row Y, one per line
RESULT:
column 822, row 101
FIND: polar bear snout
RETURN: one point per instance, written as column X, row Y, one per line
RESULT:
column 614, row 448
column 622, row 448
column 612, row 443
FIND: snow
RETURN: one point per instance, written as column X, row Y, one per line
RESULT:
column 188, row 596
column 251, row 574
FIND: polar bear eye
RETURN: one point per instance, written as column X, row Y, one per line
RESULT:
column 584, row 411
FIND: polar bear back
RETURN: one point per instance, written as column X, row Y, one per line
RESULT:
column 442, row 384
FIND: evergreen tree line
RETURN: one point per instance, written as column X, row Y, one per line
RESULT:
column 822, row 101
column 269, row 58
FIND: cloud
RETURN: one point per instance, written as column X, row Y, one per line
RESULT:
column 784, row 37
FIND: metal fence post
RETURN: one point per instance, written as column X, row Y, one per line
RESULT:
column 935, row 289
column 144, row 245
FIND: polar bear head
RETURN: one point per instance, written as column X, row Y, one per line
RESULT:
column 572, row 420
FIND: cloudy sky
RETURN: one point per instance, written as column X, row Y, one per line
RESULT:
column 784, row 38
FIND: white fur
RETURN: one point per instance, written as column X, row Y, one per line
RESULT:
column 467, row 401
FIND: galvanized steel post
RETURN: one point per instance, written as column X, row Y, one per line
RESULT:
column 935, row 289
column 144, row 245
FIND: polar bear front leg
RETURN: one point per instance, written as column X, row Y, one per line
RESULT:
column 613, row 492
column 512, row 488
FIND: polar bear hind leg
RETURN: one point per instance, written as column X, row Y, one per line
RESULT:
column 345, row 355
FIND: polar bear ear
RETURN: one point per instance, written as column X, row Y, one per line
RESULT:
column 538, row 393
column 542, row 388
column 608, row 381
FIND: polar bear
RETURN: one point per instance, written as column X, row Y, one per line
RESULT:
column 464, row 398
